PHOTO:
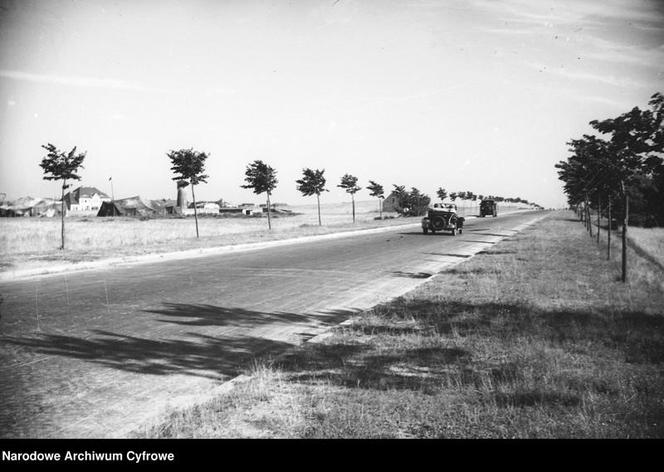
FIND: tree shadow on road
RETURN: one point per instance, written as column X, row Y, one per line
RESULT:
column 499, row 235
column 411, row 275
column 449, row 254
column 211, row 315
column 203, row 354
column 199, row 355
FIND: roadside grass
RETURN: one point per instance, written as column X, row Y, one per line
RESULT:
column 651, row 240
column 534, row 338
column 28, row 243
column 645, row 253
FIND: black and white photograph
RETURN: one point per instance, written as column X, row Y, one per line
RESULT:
column 329, row 219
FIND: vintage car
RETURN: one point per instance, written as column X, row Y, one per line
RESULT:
column 443, row 217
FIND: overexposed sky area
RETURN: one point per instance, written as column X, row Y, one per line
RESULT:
column 469, row 95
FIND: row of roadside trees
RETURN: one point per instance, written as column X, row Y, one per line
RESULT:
column 188, row 167
column 468, row 195
column 619, row 172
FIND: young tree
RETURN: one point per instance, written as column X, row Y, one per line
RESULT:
column 442, row 193
column 63, row 166
column 262, row 179
column 189, row 165
column 349, row 183
column 376, row 190
column 419, row 202
column 402, row 196
column 312, row 183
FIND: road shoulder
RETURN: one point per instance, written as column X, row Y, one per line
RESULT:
column 533, row 338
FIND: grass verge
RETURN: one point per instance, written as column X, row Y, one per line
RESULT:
column 649, row 240
column 533, row 338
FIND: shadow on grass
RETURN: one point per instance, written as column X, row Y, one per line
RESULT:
column 640, row 336
column 399, row 364
column 356, row 366
column 536, row 398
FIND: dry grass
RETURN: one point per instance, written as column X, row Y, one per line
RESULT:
column 33, row 242
column 534, row 338
column 651, row 240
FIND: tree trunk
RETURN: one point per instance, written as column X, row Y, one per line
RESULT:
column 380, row 208
column 352, row 197
column 624, row 239
column 588, row 218
column 608, row 250
column 318, row 200
column 193, row 196
column 269, row 222
column 599, row 211
column 62, row 215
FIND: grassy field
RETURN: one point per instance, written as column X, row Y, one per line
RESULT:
column 534, row 338
column 33, row 242
column 650, row 240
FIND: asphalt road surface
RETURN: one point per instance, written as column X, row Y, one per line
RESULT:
column 97, row 353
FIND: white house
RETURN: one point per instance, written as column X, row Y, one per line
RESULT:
column 202, row 208
column 85, row 201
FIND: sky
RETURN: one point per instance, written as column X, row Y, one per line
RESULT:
column 478, row 95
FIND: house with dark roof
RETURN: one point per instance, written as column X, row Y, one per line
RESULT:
column 391, row 203
column 85, row 201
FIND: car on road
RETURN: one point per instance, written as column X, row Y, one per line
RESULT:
column 488, row 207
column 443, row 217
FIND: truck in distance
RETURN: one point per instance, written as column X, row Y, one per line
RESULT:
column 488, row 207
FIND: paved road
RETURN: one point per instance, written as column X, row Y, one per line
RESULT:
column 97, row 353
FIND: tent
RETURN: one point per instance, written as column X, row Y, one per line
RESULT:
column 132, row 206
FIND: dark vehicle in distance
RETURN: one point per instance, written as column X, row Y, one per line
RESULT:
column 442, row 217
column 488, row 207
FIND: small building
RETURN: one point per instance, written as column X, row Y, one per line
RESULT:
column 202, row 208
column 85, row 201
column 233, row 210
column 391, row 203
